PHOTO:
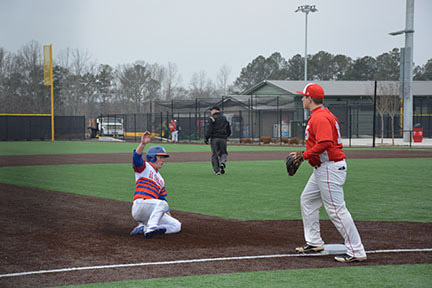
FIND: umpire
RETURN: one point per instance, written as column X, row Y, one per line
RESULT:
column 218, row 129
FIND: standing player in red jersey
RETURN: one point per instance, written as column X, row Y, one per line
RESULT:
column 325, row 186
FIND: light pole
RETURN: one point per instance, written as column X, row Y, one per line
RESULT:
column 306, row 9
column 407, row 70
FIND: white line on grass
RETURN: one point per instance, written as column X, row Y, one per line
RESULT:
column 194, row 261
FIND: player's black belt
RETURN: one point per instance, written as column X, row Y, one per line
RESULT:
column 335, row 161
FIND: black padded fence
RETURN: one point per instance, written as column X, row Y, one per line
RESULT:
column 19, row 128
column 69, row 127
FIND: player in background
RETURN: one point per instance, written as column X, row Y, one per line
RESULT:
column 325, row 186
column 150, row 208
column 174, row 131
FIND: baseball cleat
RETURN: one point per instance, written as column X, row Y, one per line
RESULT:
column 138, row 230
column 309, row 249
column 218, row 173
column 222, row 168
column 158, row 231
column 349, row 259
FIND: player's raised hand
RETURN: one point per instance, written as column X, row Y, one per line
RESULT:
column 146, row 137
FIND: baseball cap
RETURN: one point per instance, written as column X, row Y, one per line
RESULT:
column 215, row 108
column 313, row 90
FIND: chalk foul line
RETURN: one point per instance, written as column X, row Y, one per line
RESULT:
column 187, row 261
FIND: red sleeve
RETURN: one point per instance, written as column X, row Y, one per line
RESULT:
column 317, row 149
column 323, row 129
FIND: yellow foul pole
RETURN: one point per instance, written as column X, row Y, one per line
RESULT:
column 48, row 80
column 52, row 95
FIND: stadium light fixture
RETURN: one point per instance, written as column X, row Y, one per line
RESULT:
column 401, row 32
column 306, row 9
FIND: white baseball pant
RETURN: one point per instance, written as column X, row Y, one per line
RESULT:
column 325, row 185
column 174, row 136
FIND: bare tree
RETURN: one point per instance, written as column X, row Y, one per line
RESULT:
column 200, row 86
column 3, row 59
column 157, row 76
column 381, row 109
column 3, row 77
column 37, row 97
column 181, row 93
column 171, row 82
column 63, row 58
column 13, row 84
column 390, row 92
column 222, row 79
column 78, row 88
column 80, row 62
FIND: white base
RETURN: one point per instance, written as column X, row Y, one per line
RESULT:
column 330, row 249
column 109, row 139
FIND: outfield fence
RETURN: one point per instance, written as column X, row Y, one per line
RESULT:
column 38, row 127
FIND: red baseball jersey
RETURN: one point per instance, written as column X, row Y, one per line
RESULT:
column 323, row 126
column 173, row 126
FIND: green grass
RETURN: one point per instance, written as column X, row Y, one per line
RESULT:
column 383, row 187
column 364, row 276
column 376, row 189
column 78, row 147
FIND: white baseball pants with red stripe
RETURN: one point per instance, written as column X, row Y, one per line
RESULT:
column 325, row 186
column 152, row 213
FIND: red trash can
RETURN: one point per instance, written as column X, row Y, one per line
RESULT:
column 418, row 135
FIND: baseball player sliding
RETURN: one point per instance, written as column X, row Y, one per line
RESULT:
column 325, row 186
column 150, row 208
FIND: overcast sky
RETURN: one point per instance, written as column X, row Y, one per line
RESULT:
column 204, row 35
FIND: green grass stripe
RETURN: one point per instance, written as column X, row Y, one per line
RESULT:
column 419, row 275
column 78, row 147
column 376, row 189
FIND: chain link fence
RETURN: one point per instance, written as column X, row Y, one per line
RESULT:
column 259, row 120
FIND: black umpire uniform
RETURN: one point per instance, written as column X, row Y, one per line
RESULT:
column 218, row 129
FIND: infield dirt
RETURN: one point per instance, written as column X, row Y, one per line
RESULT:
column 43, row 230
